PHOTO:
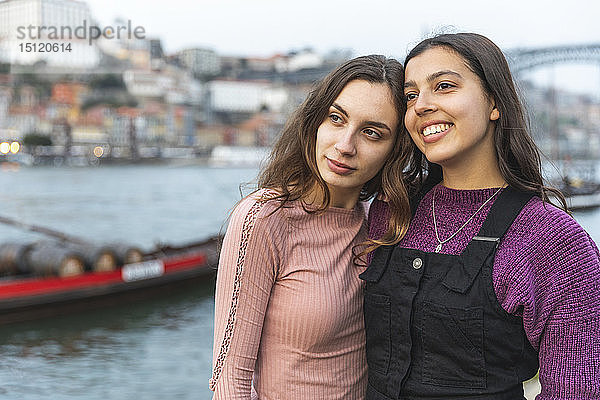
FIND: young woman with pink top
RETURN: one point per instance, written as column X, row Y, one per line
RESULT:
column 490, row 282
column 288, row 306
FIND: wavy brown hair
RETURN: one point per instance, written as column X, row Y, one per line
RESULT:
column 518, row 156
column 292, row 166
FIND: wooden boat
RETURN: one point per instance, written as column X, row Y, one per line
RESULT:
column 581, row 194
column 578, row 180
column 29, row 297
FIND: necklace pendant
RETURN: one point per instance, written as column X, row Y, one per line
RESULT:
column 438, row 248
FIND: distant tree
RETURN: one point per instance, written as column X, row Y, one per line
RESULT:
column 35, row 139
column 112, row 100
column 41, row 83
column 107, row 81
column 110, row 91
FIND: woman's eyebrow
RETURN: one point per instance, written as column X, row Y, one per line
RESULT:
column 339, row 108
column 379, row 125
column 376, row 124
column 433, row 77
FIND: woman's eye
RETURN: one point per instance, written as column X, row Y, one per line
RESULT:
column 410, row 96
column 444, row 85
column 372, row 133
column 335, row 118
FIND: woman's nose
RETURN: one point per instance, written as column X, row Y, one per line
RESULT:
column 345, row 144
column 424, row 104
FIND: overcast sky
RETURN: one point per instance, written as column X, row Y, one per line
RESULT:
column 390, row 27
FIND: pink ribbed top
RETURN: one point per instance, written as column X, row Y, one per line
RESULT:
column 288, row 304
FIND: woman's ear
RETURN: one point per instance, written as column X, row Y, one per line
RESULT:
column 495, row 114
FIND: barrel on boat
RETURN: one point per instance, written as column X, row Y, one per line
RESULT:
column 54, row 259
column 97, row 258
column 127, row 254
column 12, row 258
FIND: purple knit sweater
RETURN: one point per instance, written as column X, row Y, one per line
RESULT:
column 547, row 270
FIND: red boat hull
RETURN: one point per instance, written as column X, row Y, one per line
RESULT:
column 29, row 298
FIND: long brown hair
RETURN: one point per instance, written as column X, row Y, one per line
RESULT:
column 292, row 167
column 518, row 156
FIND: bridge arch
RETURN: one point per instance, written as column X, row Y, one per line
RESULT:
column 521, row 60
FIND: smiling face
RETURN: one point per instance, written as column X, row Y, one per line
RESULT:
column 449, row 116
column 355, row 139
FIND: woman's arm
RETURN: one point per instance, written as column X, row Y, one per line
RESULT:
column 549, row 268
column 247, row 268
column 570, row 342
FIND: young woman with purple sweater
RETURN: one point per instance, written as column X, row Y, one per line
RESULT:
column 491, row 282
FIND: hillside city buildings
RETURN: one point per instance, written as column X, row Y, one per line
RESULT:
column 110, row 92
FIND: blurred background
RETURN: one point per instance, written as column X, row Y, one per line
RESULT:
column 138, row 121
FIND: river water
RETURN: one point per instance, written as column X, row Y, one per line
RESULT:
column 158, row 349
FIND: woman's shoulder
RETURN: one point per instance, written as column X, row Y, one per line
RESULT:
column 378, row 216
column 551, row 231
column 261, row 204
column 544, row 215
column 548, row 246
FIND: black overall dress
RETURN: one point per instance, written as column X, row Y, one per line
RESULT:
column 434, row 327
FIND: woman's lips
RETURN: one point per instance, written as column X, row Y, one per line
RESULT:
column 434, row 137
column 338, row 167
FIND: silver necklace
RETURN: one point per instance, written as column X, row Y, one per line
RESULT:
column 438, row 248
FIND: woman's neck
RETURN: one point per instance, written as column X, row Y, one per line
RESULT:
column 472, row 177
column 338, row 197
column 475, row 167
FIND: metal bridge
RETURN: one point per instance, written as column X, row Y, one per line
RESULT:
column 521, row 60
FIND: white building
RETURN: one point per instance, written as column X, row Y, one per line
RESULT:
column 200, row 61
column 173, row 85
column 5, row 99
column 303, row 60
column 33, row 31
column 136, row 50
column 245, row 96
